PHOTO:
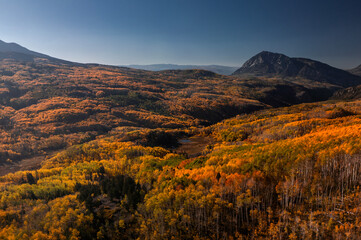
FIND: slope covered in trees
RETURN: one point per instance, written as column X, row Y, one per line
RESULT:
column 286, row 173
column 47, row 105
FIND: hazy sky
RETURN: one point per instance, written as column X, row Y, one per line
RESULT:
column 224, row 32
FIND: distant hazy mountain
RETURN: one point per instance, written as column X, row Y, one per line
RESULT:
column 356, row 70
column 274, row 64
column 224, row 70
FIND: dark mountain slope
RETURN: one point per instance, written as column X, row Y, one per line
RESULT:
column 278, row 65
column 16, row 48
column 356, row 70
column 19, row 53
column 350, row 93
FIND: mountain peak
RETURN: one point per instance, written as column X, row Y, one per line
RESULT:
column 269, row 64
column 265, row 52
column 269, row 54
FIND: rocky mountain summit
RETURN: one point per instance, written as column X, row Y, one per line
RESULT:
column 271, row 64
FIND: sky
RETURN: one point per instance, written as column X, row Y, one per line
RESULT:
column 225, row 32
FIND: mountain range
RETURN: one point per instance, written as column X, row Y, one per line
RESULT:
column 275, row 79
column 224, row 70
column 264, row 64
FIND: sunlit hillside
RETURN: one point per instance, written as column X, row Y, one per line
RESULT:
column 286, row 173
column 47, row 105
column 180, row 120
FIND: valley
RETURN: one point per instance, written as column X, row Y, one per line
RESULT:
column 90, row 151
column 49, row 104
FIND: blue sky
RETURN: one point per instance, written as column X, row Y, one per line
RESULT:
column 224, row 32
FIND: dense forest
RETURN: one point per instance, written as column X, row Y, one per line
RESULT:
column 283, row 173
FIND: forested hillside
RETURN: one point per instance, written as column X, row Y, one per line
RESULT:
column 286, row 173
column 180, row 120
column 47, row 105
column 118, row 153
